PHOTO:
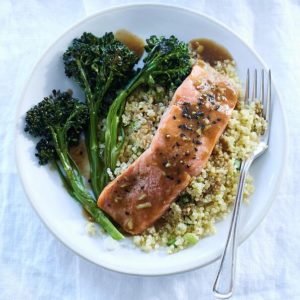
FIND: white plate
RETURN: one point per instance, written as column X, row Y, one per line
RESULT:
column 64, row 217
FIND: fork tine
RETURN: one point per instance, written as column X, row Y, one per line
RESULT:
column 247, row 88
column 268, row 98
column 267, row 107
column 262, row 89
column 254, row 90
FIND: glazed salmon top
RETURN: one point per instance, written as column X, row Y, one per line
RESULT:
column 187, row 133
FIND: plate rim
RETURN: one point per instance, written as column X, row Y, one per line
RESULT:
column 21, row 172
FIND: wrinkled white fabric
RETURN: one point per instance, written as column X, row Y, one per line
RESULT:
column 34, row 265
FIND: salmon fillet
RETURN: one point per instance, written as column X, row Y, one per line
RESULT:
column 187, row 133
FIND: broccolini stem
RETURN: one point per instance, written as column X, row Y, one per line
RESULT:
column 103, row 90
column 77, row 188
column 114, row 118
column 93, row 143
column 95, row 160
column 86, row 87
column 94, row 153
column 101, row 219
column 94, row 103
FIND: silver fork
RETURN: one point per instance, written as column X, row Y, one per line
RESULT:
column 224, row 283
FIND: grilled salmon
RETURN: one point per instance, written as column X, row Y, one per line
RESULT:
column 188, row 131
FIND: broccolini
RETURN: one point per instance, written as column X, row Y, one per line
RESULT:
column 58, row 121
column 99, row 66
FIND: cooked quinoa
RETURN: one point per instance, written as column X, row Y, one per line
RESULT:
column 209, row 196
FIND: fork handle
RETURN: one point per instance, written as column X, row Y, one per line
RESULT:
column 223, row 286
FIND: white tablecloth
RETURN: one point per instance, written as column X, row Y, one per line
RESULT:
column 34, row 265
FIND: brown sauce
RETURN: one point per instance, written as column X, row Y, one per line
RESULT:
column 132, row 41
column 209, row 51
column 80, row 157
